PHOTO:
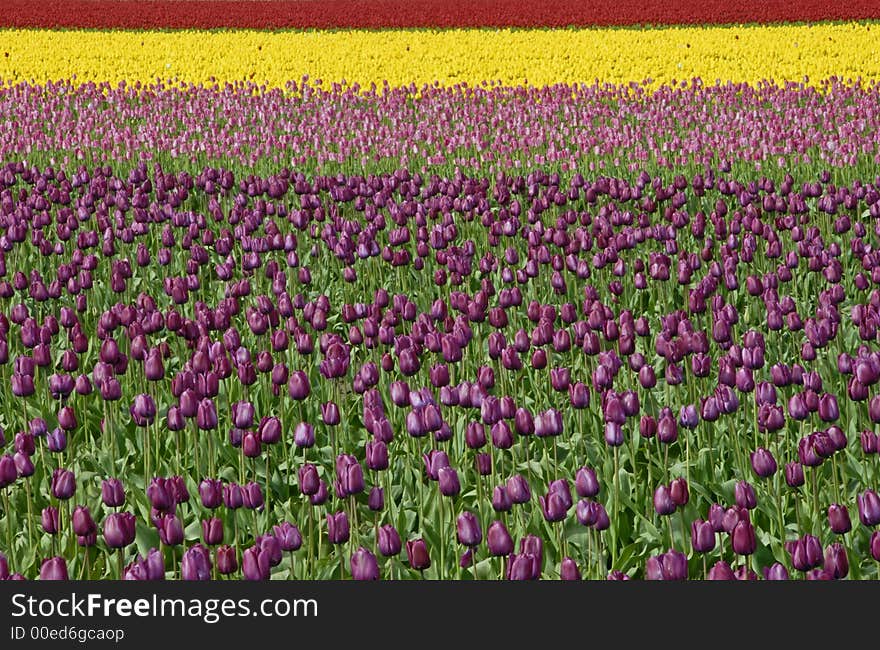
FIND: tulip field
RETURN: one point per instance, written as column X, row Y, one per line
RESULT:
column 446, row 291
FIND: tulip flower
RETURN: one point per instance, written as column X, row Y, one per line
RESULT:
column 869, row 508
column 469, row 532
column 54, row 568
column 119, row 529
column 838, row 519
column 389, row 541
column 417, row 554
column 337, row 527
column 364, row 565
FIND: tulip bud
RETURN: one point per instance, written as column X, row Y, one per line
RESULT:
column 836, row 561
column 119, row 529
column 170, row 530
column 869, row 508
column 63, row 483
column 252, row 496
column 776, row 572
column 763, row 463
column 49, row 520
column 671, row 565
column 364, row 565
column 337, row 527
column 838, row 519
column 376, row 500
column 743, row 539
column 702, row 536
column 678, row 491
column 196, row 564
column 288, row 536
column 745, row 495
column 304, row 435
column 112, row 493
column 721, row 571
column 469, row 533
column 212, row 531
column 54, row 568
column 568, row 570
column 330, row 414
column 794, row 474
column 448, row 482
column 663, row 504
column 586, row 483
column 875, row 545
column 518, row 489
column 211, row 493
column 389, row 541
column 255, row 563
column 227, row 561
column 417, row 554
column 498, row 539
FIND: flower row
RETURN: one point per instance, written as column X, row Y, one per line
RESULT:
column 401, row 57
column 482, row 129
column 328, row 14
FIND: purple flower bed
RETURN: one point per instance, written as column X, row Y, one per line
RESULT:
column 481, row 130
column 275, row 368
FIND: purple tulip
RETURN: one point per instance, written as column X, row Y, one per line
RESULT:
column 112, row 493
column 745, row 495
column 255, row 563
column 763, row 463
column 776, row 572
column 309, row 481
column 836, row 561
column 304, row 435
column 869, row 508
column 518, row 489
column 721, row 571
column 63, row 483
column 376, row 499
column 170, row 530
column 252, row 496
column 54, row 568
column 417, row 554
column 794, row 474
column 702, row 536
column 498, row 539
column 523, row 566
column 875, row 545
column 227, row 560
column 143, row 410
column 337, row 527
column 586, row 483
column 119, row 529
column 568, row 570
column 469, row 532
column 743, row 539
column 49, row 520
column 212, row 531
column 838, row 519
column 363, row 565
column 389, row 541
column 678, row 491
column 806, row 552
column 196, row 564
column 330, row 414
column 447, row 479
column 288, row 536
column 211, row 493
column 671, row 565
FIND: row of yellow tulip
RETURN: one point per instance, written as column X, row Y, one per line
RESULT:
column 400, row 57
